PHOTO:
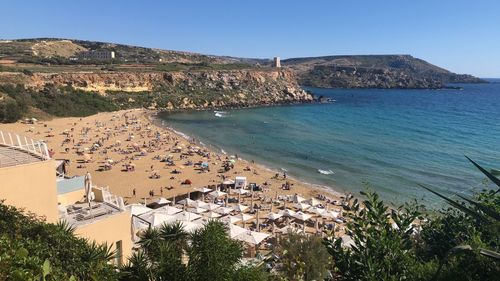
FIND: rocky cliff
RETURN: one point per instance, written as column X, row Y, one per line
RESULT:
column 178, row 90
column 373, row 71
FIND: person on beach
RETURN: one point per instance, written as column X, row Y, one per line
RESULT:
column 133, row 192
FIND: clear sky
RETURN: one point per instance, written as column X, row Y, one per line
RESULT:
column 462, row 36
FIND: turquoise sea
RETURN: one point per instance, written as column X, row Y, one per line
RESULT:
column 391, row 139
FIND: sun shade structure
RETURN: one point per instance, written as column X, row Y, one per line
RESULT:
column 191, row 227
column 197, row 210
column 211, row 206
column 240, row 208
column 235, row 230
column 298, row 199
column 217, row 194
column 241, row 191
column 317, row 211
column 157, row 219
column 302, row 216
column 169, row 210
column 204, row 190
column 302, row 206
column 186, row 201
column 274, row 216
column 287, row 212
column 313, row 202
column 224, row 210
column 137, row 209
column 244, row 217
column 186, row 216
column 230, row 219
column 252, row 237
column 211, row 215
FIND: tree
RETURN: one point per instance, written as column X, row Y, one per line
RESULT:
column 379, row 250
column 31, row 249
column 302, row 257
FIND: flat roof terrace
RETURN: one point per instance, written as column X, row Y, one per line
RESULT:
column 16, row 150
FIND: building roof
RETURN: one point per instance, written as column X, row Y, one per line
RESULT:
column 69, row 185
column 18, row 150
column 12, row 156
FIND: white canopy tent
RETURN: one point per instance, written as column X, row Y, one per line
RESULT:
column 187, row 216
column 240, row 208
column 274, row 216
column 252, row 237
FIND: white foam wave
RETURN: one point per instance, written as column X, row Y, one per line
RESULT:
column 326, row 172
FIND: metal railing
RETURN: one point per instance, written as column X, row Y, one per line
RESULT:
column 35, row 148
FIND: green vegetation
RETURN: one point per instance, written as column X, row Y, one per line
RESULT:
column 459, row 243
column 54, row 101
column 31, row 249
column 302, row 257
column 210, row 255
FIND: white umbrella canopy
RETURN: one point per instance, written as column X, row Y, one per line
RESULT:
column 190, row 226
column 287, row 212
column 211, row 206
column 334, row 214
column 302, row 216
column 240, row 191
column 137, row 209
column 302, row 206
column 204, row 190
column 197, row 210
column 252, row 237
column 230, row 219
column 287, row 229
column 169, row 210
column 186, row 201
column 244, row 217
column 228, row 181
column 198, row 204
column 224, row 210
column 240, row 208
column 157, row 219
column 235, row 230
column 313, row 202
column 187, row 216
column 317, row 211
column 274, row 216
column 162, row 200
column 211, row 215
column 217, row 194
column 298, row 199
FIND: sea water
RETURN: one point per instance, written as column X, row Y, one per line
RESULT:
column 389, row 140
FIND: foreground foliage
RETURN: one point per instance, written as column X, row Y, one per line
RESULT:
column 31, row 249
column 165, row 254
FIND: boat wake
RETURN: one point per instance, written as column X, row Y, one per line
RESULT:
column 220, row 114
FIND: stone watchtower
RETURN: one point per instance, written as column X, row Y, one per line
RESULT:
column 277, row 62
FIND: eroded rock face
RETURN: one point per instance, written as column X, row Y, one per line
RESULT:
column 181, row 90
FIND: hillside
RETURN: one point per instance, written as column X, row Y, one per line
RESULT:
column 373, row 71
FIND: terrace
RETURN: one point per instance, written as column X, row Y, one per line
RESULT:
column 19, row 150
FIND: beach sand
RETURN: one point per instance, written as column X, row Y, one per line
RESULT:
column 114, row 135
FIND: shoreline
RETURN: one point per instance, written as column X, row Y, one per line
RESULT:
column 155, row 120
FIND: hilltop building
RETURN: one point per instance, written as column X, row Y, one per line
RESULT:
column 97, row 55
column 277, row 62
column 32, row 180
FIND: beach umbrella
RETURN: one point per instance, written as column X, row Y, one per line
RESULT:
column 197, row 210
column 204, row 190
column 302, row 216
column 298, row 199
column 198, row 204
column 274, row 216
column 162, row 200
column 137, row 209
column 230, row 219
column 317, row 211
column 244, row 217
column 240, row 208
column 169, row 210
column 313, row 202
column 240, row 191
column 186, row 201
column 228, row 182
column 211, row 215
column 157, row 218
column 287, row 229
column 235, row 230
column 302, row 206
column 287, row 212
column 187, row 216
column 217, row 194
column 190, row 226
column 211, row 206
column 223, row 210
column 334, row 214
column 252, row 237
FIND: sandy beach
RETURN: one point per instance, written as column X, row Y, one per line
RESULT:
column 126, row 151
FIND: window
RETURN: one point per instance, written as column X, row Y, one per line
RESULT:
column 119, row 253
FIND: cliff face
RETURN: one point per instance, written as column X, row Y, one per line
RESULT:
column 373, row 71
column 179, row 90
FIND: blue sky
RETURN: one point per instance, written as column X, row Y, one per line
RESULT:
column 462, row 36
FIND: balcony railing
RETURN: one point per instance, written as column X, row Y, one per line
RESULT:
column 20, row 149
